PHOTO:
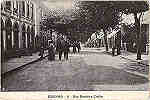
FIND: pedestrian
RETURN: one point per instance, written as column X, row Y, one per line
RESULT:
column 113, row 50
column 30, row 49
column 51, row 51
column 59, row 47
column 41, row 52
column 78, row 46
column 66, row 49
column 74, row 47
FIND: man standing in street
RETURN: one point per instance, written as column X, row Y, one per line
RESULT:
column 59, row 46
column 51, row 52
column 41, row 52
column 78, row 46
column 66, row 49
column 74, row 47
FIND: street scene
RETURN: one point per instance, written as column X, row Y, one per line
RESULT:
column 74, row 45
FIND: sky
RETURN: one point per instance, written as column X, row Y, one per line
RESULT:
column 60, row 7
column 58, row 4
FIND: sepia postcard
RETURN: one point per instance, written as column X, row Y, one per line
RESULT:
column 75, row 49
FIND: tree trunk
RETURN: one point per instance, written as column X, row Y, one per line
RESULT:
column 118, row 43
column 105, row 39
column 138, row 43
column 99, row 42
column 138, row 49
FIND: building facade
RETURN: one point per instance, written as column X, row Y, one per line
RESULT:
column 17, row 27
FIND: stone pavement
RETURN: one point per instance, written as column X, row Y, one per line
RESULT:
column 15, row 63
column 87, row 70
column 18, row 62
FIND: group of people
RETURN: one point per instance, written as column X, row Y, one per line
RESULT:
column 76, row 44
column 61, row 46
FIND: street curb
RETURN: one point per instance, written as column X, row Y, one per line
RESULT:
column 22, row 66
column 133, row 60
column 128, row 59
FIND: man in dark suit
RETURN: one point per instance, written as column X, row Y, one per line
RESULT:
column 66, row 49
column 59, row 47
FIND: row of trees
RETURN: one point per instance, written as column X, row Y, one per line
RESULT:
column 107, row 14
column 100, row 15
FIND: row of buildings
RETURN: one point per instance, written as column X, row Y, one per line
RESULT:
column 23, row 29
column 20, row 27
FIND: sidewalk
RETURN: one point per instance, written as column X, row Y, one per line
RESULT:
column 133, row 56
column 125, row 54
column 126, row 61
column 15, row 63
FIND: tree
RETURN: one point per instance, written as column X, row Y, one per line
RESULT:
column 136, row 8
column 99, row 15
column 105, row 14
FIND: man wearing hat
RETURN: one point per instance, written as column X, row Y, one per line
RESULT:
column 51, row 51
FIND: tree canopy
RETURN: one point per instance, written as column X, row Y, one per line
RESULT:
column 96, row 15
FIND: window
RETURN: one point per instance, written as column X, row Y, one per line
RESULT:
column 28, row 10
column 15, row 7
column 8, row 5
column 1, row 6
column 32, row 11
column 23, row 8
